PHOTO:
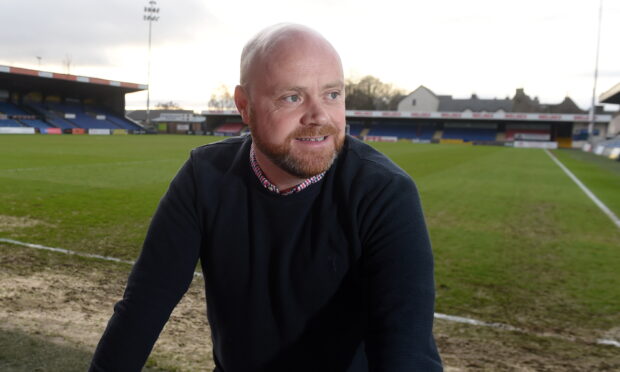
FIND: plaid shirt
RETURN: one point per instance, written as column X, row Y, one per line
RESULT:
column 273, row 188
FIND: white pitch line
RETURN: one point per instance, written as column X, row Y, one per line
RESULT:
column 587, row 191
column 460, row 319
column 507, row 327
column 74, row 253
column 608, row 342
column 450, row 318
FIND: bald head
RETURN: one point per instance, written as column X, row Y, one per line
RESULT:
column 275, row 41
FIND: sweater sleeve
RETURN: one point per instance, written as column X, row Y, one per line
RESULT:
column 398, row 270
column 158, row 280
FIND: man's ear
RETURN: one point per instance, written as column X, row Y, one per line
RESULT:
column 242, row 102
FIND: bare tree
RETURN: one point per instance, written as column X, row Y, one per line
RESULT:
column 370, row 93
column 221, row 99
column 170, row 105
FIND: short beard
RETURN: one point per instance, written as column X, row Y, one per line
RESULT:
column 301, row 165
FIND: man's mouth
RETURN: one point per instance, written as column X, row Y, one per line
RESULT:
column 311, row 139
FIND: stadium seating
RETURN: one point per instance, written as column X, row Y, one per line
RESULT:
column 81, row 120
column 392, row 130
column 61, row 123
column 582, row 135
column 512, row 134
column 85, row 116
column 611, row 143
column 35, row 123
column 10, row 109
column 407, row 131
column 425, row 132
column 119, row 122
column 470, row 134
column 9, row 123
column 355, row 129
column 229, row 129
column 51, row 117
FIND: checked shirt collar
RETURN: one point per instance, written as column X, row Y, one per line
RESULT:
column 273, row 188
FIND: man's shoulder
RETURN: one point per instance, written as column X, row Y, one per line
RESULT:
column 228, row 147
column 366, row 161
column 221, row 156
column 228, row 144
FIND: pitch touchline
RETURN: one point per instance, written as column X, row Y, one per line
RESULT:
column 67, row 251
column 450, row 318
column 589, row 193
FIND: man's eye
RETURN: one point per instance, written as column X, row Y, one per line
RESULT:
column 334, row 95
column 292, row 99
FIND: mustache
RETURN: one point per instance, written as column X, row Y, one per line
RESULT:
column 323, row 130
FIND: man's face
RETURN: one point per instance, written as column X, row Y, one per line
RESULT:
column 296, row 108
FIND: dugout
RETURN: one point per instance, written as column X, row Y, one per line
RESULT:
column 179, row 123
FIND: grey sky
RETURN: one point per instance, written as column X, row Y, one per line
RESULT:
column 456, row 47
column 87, row 29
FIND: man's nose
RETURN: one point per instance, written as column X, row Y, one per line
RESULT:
column 315, row 113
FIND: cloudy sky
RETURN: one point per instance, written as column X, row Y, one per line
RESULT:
column 487, row 47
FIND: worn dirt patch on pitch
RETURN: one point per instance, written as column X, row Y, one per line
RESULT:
column 10, row 223
column 69, row 301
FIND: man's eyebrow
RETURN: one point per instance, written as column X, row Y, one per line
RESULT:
column 298, row 88
column 335, row 84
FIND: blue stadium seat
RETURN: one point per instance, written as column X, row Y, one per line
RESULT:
column 10, row 109
column 35, row 123
column 407, row 131
column 61, row 123
column 355, row 129
column 119, row 122
column 470, row 134
column 9, row 123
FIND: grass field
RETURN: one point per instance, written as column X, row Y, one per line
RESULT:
column 515, row 240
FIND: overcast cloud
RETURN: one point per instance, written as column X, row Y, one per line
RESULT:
column 457, row 47
column 88, row 29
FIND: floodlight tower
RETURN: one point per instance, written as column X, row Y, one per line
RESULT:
column 151, row 14
column 598, row 45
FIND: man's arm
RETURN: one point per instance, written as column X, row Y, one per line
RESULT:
column 157, row 281
column 398, row 267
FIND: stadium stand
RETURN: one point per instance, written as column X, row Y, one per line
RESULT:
column 81, row 119
column 9, row 123
column 611, row 143
column 417, row 131
column 46, row 100
column 425, row 132
column 391, row 129
column 53, row 118
column 470, row 132
column 521, row 132
column 35, row 123
column 355, row 129
column 582, row 134
column 10, row 109
column 85, row 117
column 229, row 129
column 116, row 120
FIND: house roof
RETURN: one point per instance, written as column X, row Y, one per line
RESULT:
column 474, row 104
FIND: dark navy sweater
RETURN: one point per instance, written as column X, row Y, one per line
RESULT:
column 337, row 277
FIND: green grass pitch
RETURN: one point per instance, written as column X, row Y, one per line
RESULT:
column 515, row 240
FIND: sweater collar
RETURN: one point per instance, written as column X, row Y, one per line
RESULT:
column 273, row 188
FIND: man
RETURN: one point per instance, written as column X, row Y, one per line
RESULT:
column 313, row 245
